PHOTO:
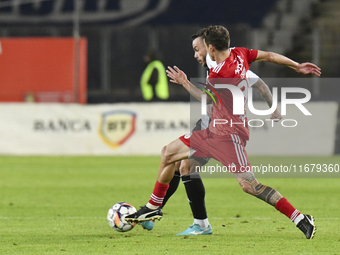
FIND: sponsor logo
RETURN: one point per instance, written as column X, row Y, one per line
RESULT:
column 62, row 125
column 240, row 67
column 116, row 127
column 164, row 125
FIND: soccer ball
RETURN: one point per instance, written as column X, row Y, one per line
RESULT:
column 116, row 216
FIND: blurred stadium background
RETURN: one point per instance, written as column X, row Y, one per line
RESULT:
column 77, row 136
column 91, row 52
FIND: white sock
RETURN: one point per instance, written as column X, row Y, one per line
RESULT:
column 298, row 218
column 151, row 206
column 203, row 223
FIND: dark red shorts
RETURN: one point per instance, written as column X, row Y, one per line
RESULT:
column 228, row 149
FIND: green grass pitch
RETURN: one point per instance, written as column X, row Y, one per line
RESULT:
column 58, row 205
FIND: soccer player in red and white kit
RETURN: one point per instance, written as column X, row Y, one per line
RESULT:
column 225, row 142
column 188, row 168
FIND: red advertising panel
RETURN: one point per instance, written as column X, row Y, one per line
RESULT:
column 43, row 70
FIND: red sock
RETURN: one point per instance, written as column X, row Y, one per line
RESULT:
column 287, row 209
column 158, row 194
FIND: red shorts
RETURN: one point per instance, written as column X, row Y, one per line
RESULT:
column 228, row 149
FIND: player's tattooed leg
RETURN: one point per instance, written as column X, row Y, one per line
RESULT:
column 267, row 194
column 250, row 185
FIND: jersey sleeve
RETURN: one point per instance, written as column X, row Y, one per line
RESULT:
column 252, row 55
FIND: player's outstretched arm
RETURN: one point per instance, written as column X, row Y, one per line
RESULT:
column 304, row 68
column 266, row 94
column 176, row 75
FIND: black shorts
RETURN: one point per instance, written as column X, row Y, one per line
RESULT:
column 201, row 124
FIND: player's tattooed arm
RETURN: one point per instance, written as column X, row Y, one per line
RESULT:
column 266, row 94
column 265, row 193
column 264, row 91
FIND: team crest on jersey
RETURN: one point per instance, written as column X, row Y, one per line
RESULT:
column 116, row 127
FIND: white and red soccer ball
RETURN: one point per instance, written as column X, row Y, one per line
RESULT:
column 116, row 216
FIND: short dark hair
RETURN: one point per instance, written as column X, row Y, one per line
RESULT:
column 217, row 36
column 199, row 33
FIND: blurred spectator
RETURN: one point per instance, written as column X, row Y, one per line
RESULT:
column 154, row 82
